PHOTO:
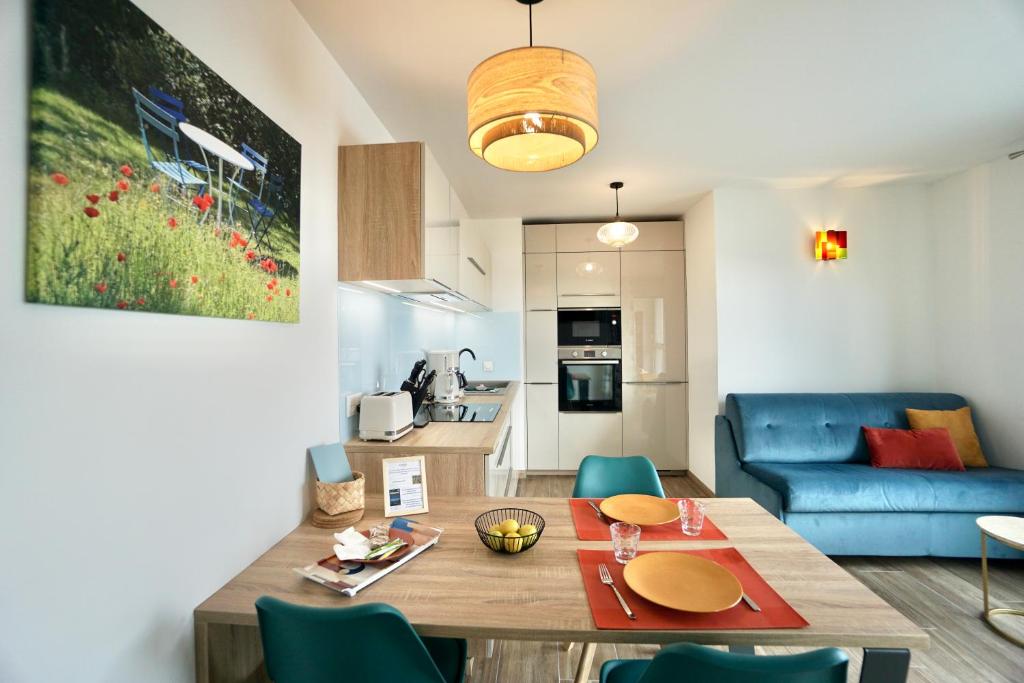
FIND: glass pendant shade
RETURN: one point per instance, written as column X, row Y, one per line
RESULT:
column 618, row 233
column 532, row 109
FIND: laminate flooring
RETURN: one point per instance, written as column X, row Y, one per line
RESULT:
column 942, row 596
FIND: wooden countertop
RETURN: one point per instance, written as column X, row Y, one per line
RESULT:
column 469, row 438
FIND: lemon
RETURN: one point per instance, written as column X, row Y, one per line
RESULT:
column 527, row 530
column 509, row 526
column 513, row 542
column 495, row 530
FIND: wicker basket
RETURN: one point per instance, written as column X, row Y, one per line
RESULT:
column 343, row 496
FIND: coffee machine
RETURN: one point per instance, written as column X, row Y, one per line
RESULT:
column 448, row 380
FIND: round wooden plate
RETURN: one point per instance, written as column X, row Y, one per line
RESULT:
column 637, row 508
column 683, row 582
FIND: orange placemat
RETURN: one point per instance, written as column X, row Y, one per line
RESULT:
column 590, row 528
column 775, row 612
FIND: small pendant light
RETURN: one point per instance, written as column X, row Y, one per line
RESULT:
column 618, row 233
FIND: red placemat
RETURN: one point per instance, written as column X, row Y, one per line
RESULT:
column 590, row 528
column 775, row 612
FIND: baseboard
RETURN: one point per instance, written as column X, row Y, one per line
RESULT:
column 705, row 492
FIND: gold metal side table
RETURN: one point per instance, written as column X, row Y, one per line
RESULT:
column 1010, row 531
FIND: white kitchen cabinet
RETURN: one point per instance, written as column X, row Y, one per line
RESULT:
column 474, row 265
column 653, row 316
column 539, row 282
column 541, row 346
column 588, row 279
column 539, row 239
column 580, row 237
column 542, row 426
column 658, row 236
column 654, row 419
column 583, row 434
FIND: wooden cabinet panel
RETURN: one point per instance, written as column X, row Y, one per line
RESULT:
column 658, row 236
column 654, row 423
column 588, row 279
column 539, row 239
column 580, row 237
column 541, row 346
column 539, row 282
column 542, row 426
column 653, row 316
column 583, row 434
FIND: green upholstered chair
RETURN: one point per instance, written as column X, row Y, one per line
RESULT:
column 371, row 642
column 686, row 663
column 600, row 477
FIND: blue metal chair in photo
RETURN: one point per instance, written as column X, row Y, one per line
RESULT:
column 259, row 162
column 262, row 214
column 175, row 108
column 153, row 118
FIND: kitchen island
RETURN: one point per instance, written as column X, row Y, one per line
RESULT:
column 462, row 458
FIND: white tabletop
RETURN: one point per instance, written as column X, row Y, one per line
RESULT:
column 215, row 146
column 1009, row 530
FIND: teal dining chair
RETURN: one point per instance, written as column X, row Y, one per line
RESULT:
column 371, row 642
column 687, row 663
column 600, row 477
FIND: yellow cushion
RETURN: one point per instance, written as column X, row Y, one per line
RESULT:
column 961, row 430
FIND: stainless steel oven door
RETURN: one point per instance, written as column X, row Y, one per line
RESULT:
column 590, row 385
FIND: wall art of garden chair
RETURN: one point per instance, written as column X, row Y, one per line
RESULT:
column 175, row 108
column 259, row 162
column 263, row 214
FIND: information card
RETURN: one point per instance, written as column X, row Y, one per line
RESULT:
column 405, row 486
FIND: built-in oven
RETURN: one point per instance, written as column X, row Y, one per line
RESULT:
column 590, row 380
column 589, row 327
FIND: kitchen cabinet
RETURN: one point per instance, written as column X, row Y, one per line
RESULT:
column 539, row 239
column 542, row 426
column 654, row 423
column 539, row 282
column 583, row 434
column 653, row 316
column 541, row 346
column 580, row 237
column 399, row 230
column 499, row 466
column 588, row 279
column 658, row 236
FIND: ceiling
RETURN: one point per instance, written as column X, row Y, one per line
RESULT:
column 694, row 94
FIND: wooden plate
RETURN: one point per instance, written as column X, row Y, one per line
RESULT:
column 637, row 508
column 683, row 582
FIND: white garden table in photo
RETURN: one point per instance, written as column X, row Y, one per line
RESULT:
column 220, row 149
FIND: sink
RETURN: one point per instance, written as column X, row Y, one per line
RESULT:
column 489, row 387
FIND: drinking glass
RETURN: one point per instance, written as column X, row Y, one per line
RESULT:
column 625, row 541
column 691, row 516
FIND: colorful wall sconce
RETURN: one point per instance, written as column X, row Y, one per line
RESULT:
column 829, row 245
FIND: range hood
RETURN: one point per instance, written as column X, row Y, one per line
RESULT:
column 427, row 291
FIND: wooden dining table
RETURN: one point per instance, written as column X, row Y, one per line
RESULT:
column 460, row 588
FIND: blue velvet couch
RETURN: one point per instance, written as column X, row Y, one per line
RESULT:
column 804, row 458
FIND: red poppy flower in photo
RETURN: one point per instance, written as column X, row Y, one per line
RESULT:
column 270, row 298
column 154, row 188
column 113, row 196
column 287, row 292
column 127, row 171
column 204, row 202
column 91, row 211
column 93, row 198
column 100, row 287
column 141, row 301
column 122, row 304
column 268, row 265
column 121, row 257
column 194, row 279
column 237, row 240
column 59, row 178
column 123, row 185
column 251, row 316
column 172, row 222
column 250, row 255
column 173, row 283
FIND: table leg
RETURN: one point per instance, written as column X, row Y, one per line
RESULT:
column 988, row 612
column 742, row 649
column 586, row 660
column 984, row 573
column 220, row 187
column 202, row 652
column 884, row 665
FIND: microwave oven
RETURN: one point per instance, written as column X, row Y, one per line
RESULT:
column 589, row 327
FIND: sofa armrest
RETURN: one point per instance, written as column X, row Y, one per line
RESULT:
column 731, row 481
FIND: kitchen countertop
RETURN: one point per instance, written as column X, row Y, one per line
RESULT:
column 470, row 438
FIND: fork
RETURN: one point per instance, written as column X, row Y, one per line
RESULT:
column 606, row 579
column 600, row 515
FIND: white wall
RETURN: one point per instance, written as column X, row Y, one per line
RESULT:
column 148, row 458
column 977, row 227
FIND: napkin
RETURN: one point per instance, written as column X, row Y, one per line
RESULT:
column 351, row 545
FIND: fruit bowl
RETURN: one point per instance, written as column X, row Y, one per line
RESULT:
column 508, row 522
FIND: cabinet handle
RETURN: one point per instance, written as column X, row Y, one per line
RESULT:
column 590, row 362
column 604, row 294
column 476, row 265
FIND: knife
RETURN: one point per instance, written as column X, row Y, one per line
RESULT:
column 750, row 603
column 600, row 515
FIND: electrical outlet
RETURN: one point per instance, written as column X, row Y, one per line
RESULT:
column 352, row 403
column 488, row 366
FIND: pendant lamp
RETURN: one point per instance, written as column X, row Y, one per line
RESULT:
column 532, row 108
column 618, row 233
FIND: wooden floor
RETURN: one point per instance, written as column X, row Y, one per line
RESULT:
column 942, row 596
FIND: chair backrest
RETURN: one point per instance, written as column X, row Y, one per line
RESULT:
column 153, row 117
column 258, row 160
column 331, row 644
column 600, row 476
column 174, row 107
column 687, row 663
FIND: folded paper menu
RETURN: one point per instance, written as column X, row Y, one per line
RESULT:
column 349, row 576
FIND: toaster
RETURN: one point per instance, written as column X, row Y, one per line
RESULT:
column 385, row 416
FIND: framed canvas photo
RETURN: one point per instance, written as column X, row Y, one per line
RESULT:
column 405, row 486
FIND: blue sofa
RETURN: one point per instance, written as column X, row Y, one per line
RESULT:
column 804, row 458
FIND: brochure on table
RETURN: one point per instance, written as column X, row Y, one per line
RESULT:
column 405, row 485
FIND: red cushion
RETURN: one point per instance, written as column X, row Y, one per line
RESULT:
column 914, row 449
